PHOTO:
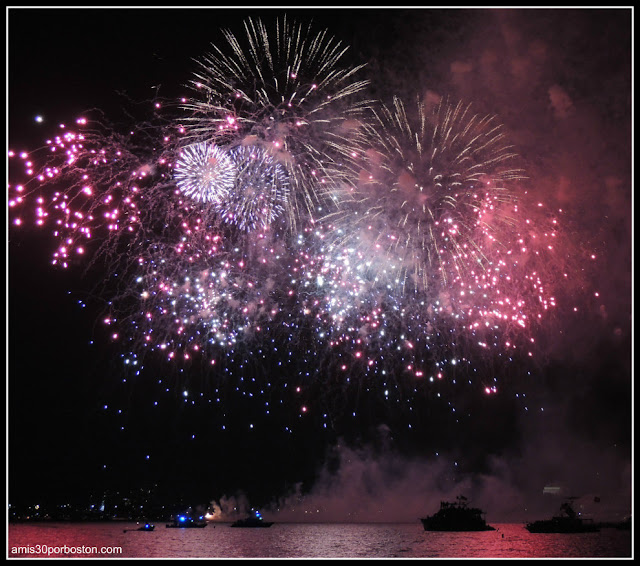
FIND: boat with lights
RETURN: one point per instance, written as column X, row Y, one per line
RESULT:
column 456, row 516
column 186, row 522
column 146, row 527
column 253, row 521
column 566, row 521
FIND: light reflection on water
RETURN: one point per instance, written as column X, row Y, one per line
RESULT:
column 289, row 540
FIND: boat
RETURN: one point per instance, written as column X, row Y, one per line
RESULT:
column 566, row 521
column 145, row 527
column 253, row 521
column 456, row 516
column 185, row 522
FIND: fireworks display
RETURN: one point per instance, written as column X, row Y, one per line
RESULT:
column 281, row 219
column 319, row 262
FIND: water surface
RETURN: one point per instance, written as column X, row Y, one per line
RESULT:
column 307, row 540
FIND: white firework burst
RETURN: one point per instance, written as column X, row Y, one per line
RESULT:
column 205, row 172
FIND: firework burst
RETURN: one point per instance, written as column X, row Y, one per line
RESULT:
column 435, row 259
column 205, row 173
column 261, row 189
column 436, row 193
column 289, row 92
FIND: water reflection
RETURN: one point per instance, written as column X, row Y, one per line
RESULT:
column 315, row 541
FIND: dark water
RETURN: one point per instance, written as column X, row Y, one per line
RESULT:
column 289, row 540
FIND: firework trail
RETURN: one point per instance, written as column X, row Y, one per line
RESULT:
column 288, row 92
column 99, row 190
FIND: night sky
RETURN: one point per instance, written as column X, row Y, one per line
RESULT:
column 80, row 423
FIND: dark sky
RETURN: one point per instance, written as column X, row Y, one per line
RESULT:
column 559, row 79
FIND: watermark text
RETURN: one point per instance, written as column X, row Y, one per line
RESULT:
column 65, row 550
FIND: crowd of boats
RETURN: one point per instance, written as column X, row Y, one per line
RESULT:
column 188, row 522
column 457, row 516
